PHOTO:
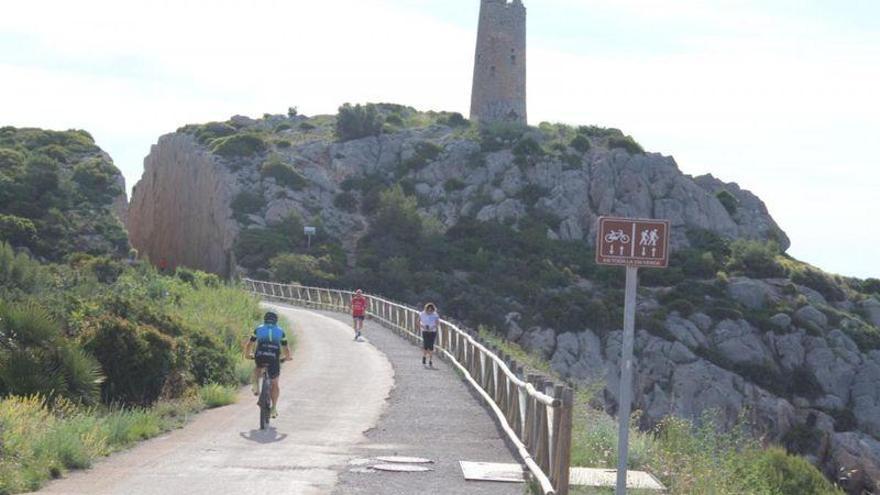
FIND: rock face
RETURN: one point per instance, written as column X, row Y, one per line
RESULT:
column 180, row 213
column 782, row 355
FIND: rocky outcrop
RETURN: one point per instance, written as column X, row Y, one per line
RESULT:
column 806, row 369
column 180, row 209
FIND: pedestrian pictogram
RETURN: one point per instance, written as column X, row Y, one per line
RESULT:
column 633, row 242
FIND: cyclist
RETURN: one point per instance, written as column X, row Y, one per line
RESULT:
column 358, row 312
column 268, row 339
column 429, row 320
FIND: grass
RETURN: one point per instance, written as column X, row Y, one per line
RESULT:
column 215, row 395
column 40, row 441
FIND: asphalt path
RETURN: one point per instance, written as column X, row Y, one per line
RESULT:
column 326, row 406
column 431, row 414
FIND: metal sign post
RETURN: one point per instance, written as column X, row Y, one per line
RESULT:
column 631, row 243
column 309, row 232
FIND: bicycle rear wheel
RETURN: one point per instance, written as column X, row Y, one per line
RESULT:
column 265, row 403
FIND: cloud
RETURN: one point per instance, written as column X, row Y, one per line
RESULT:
column 779, row 101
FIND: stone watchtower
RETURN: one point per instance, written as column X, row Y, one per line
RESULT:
column 499, row 92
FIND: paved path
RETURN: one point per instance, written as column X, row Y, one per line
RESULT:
column 323, row 414
column 334, row 391
column 431, row 414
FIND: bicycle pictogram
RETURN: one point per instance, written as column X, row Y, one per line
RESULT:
column 617, row 235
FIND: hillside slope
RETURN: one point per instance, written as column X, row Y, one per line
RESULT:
column 59, row 194
column 497, row 224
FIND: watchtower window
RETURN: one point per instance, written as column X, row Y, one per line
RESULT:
column 513, row 60
column 492, row 70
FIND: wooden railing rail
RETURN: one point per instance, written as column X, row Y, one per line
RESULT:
column 534, row 413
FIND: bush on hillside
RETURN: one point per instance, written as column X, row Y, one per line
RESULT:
column 755, row 259
column 581, row 143
column 626, row 143
column 284, row 174
column 358, row 121
column 728, row 201
column 239, row 145
column 139, row 361
column 213, row 130
column 248, row 203
column 301, row 268
column 346, row 201
column 97, row 179
column 17, row 231
column 496, row 136
column 18, row 272
column 255, row 247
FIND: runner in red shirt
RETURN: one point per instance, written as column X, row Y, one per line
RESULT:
column 358, row 312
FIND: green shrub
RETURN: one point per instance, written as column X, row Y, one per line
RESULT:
column 284, row 174
column 598, row 132
column 10, row 159
column 755, row 259
column 138, row 360
column 306, row 126
column 213, row 130
column 773, row 471
column 210, row 360
column 425, row 153
column 346, row 201
column 18, row 271
column 496, row 136
column 819, row 281
column 580, row 143
column 301, row 268
column 871, row 286
column 248, row 203
column 239, row 145
column 532, row 193
column 17, row 231
column 284, row 126
column 356, row 122
column 728, row 201
column 454, row 184
column 722, row 311
column 685, row 308
column 626, row 143
column 215, row 395
column 282, row 144
column 254, row 247
column 456, row 119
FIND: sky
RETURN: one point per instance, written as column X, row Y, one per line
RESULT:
column 780, row 96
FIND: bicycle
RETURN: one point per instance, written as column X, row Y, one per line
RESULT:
column 265, row 400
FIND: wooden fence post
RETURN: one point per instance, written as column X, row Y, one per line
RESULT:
column 563, row 442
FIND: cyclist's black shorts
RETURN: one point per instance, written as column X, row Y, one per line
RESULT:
column 273, row 363
column 428, row 339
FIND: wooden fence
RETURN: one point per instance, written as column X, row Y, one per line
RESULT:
column 535, row 413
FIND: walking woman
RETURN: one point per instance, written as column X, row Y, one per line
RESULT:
column 429, row 321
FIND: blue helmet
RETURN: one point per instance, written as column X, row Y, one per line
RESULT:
column 270, row 318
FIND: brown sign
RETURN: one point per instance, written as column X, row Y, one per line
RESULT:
column 633, row 242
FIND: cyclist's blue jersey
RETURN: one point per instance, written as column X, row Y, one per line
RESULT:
column 269, row 339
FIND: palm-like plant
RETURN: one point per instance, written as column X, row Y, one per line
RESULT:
column 34, row 359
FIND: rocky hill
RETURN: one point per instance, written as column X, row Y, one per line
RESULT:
column 60, row 194
column 496, row 224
